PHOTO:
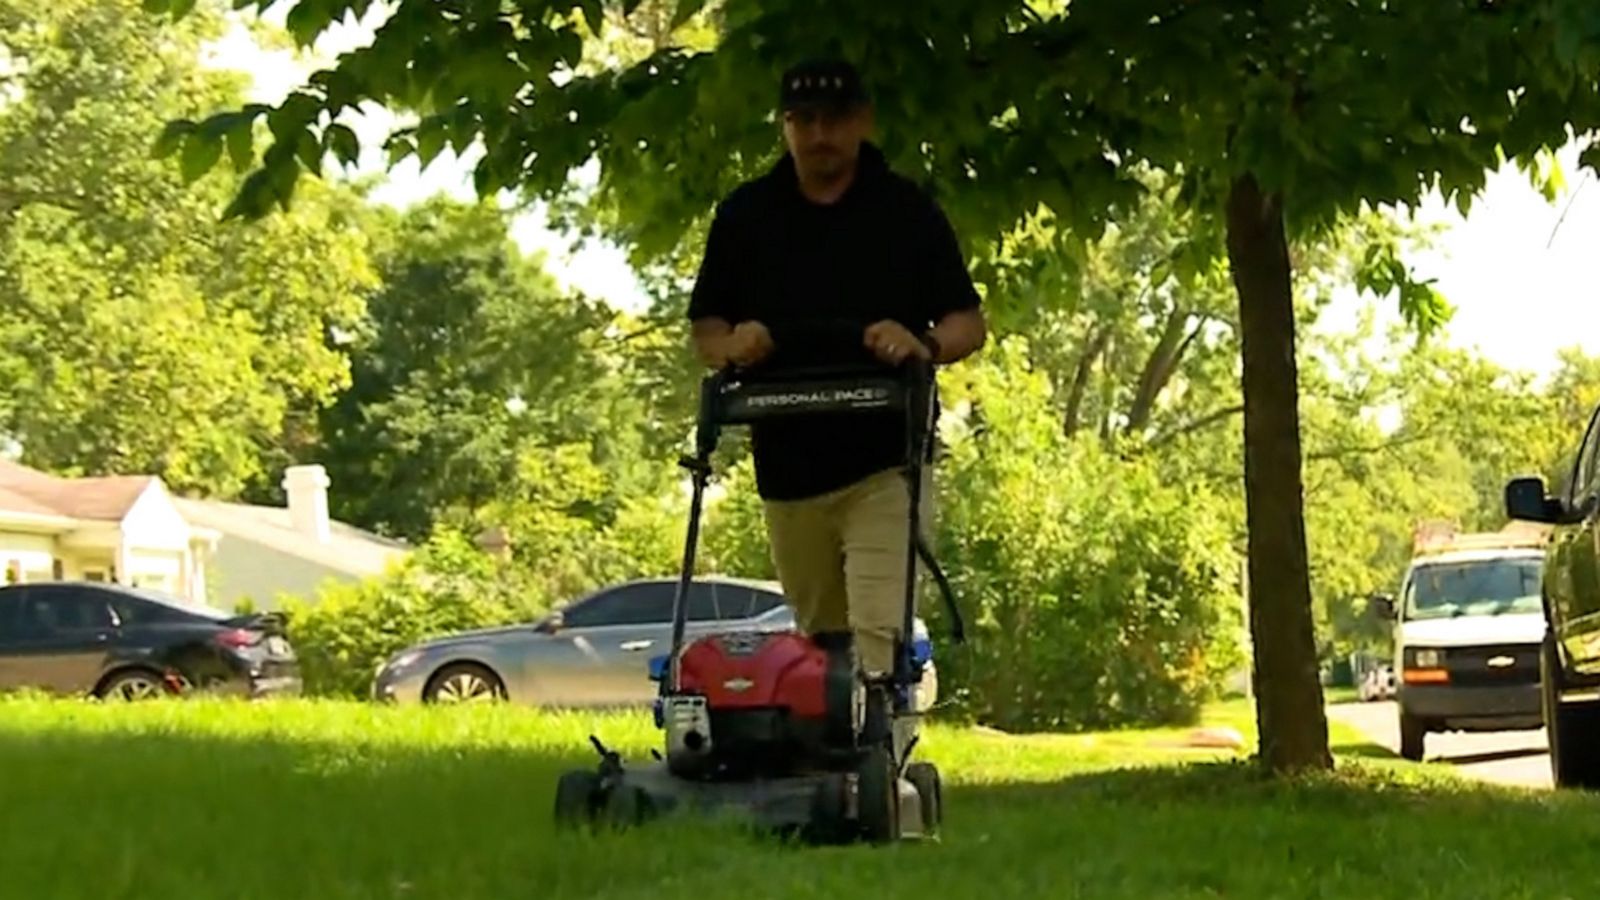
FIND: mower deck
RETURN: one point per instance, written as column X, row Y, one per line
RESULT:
column 820, row 808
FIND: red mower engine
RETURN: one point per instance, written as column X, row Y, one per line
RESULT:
column 762, row 704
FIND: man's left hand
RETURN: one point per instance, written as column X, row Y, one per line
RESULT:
column 894, row 343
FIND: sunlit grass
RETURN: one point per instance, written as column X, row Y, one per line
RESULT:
column 309, row 799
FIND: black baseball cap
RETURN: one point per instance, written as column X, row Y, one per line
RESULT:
column 822, row 84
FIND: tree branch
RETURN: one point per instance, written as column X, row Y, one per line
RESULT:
column 1158, row 369
column 12, row 200
column 1364, row 449
column 1204, row 421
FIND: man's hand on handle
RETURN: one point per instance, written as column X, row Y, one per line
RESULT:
column 749, row 344
column 894, row 343
column 720, row 345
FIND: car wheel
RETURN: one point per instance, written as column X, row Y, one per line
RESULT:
column 1413, row 735
column 1573, row 729
column 464, row 683
column 130, row 685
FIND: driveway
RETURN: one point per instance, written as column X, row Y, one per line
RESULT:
column 1510, row 757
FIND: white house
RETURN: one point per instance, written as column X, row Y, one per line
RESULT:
column 265, row 551
column 131, row 530
column 125, row 529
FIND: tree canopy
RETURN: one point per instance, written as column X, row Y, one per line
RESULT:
column 1274, row 119
column 137, row 337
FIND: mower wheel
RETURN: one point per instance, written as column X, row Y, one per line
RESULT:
column 878, row 795
column 829, row 821
column 924, row 777
column 575, row 797
column 626, row 806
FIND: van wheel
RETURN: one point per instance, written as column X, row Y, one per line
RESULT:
column 1413, row 735
column 1573, row 728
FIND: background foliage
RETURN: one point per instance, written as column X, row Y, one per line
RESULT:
column 1092, row 510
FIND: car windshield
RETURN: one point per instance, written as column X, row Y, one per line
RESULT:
column 1479, row 588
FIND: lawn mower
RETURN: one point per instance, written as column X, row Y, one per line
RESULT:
column 783, row 730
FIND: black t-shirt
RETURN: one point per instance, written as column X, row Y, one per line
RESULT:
column 817, row 275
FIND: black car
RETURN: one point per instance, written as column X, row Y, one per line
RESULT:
column 110, row 641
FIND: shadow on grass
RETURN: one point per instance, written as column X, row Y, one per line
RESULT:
column 1472, row 759
column 164, row 815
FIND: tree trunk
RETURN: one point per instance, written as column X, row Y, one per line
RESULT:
column 1108, row 389
column 1289, row 702
column 1158, row 369
column 1098, row 338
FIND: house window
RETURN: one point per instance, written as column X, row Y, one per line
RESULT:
column 57, row 570
column 94, row 575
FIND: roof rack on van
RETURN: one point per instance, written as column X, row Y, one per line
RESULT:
column 1435, row 537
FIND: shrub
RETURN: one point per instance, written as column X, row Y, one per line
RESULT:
column 449, row 585
column 1097, row 596
column 733, row 540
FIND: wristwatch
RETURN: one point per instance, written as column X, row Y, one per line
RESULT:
column 932, row 343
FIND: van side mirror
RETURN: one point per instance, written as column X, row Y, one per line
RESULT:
column 1526, row 500
column 1382, row 606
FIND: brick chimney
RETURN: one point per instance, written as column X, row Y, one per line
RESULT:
column 307, row 490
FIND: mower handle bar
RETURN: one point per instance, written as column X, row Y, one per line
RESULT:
column 916, row 377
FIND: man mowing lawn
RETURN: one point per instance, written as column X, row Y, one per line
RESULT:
column 826, row 256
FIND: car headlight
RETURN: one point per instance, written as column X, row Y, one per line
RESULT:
column 405, row 659
column 1427, row 658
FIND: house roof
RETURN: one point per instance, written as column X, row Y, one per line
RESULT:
column 349, row 549
column 30, row 491
column 13, row 502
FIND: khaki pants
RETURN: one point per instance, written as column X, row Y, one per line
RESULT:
column 841, row 558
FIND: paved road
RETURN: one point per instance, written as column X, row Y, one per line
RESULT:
column 1510, row 757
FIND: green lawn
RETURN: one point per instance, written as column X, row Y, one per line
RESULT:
column 333, row 800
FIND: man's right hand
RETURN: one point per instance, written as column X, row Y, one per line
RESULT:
column 748, row 344
column 720, row 346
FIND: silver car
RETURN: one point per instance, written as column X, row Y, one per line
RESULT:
column 594, row 652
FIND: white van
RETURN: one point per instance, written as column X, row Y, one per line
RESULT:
column 1467, row 628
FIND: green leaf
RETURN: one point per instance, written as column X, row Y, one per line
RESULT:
column 399, row 149
column 252, row 201
column 1590, row 157
column 628, row 6
column 307, row 20
column 200, row 152
column 430, row 142
column 342, row 142
column 308, row 150
column 293, row 115
column 686, row 11
column 171, row 138
column 594, row 14
column 282, row 177
column 241, row 143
